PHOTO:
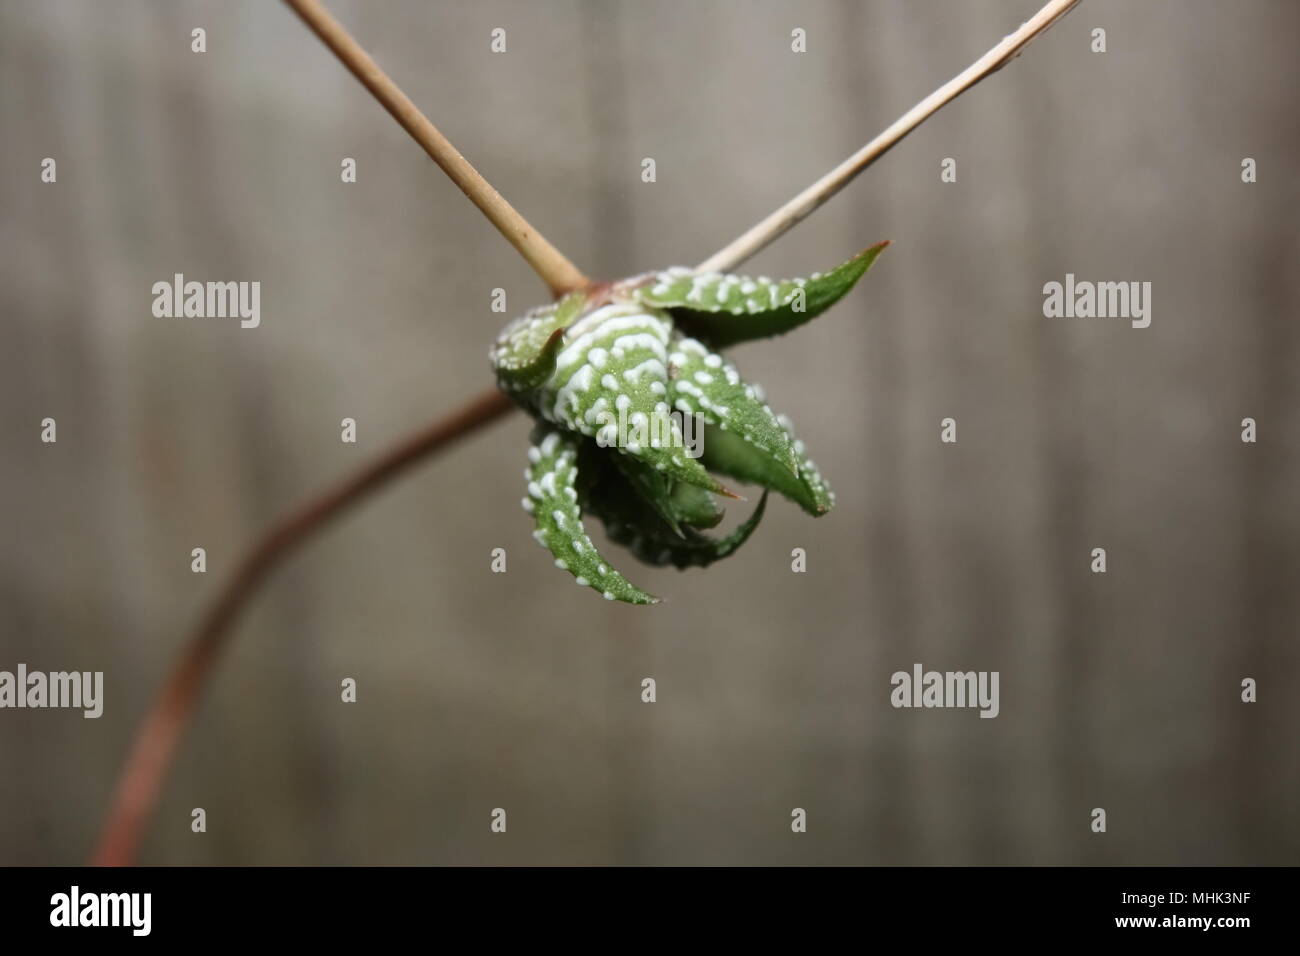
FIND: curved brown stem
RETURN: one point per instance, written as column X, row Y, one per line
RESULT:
column 156, row 741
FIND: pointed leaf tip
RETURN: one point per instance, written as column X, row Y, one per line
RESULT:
column 725, row 309
column 729, row 454
column 553, row 502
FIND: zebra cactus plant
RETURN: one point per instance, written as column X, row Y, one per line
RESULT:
column 617, row 376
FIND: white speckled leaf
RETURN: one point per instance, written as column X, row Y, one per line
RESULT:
column 553, row 502
column 729, row 454
column 724, row 309
column 524, row 354
column 706, row 384
column 611, row 370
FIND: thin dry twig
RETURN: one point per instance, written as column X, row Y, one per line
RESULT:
column 156, row 740
column 801, row 206
column 559, row 274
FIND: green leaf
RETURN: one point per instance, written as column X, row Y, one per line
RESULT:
column 705, row 384
column 724, row 309
column 553, row 502
column 611, row 383
column 729, row 454
column 693, row 550
column 524, row 354
column 652, row 487
column 607, row 494
column 676, row 502
column 694, row 506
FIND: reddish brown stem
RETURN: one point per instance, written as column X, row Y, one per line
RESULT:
column 155, row 743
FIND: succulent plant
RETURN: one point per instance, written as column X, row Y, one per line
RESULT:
column 636, row 412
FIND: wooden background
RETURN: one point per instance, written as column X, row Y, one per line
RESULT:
column 522, row 691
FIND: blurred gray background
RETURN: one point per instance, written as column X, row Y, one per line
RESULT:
column 521, row 691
